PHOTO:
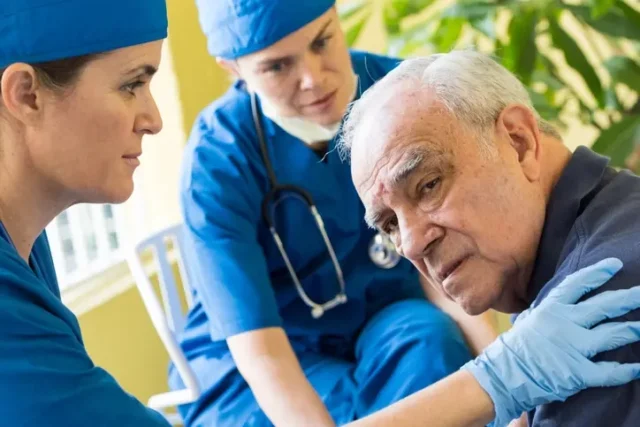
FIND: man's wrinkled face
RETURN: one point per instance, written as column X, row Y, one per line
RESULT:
column 464, row 207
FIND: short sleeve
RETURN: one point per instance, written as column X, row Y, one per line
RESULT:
column 220, row 200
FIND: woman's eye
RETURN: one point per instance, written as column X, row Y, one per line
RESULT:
column 276, row 68
column 131, row 87
column 320, row 44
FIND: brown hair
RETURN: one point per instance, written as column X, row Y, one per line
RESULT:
column 57, row 75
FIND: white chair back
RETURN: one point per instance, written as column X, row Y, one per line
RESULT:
column 168, row 318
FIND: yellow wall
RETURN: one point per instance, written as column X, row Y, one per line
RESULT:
column 120, row 338
column 200, row 80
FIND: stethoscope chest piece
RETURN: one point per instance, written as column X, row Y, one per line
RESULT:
column 383, row 252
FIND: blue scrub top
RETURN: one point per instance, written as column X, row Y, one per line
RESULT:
column 46, row 375
column 239, row 278
column 593, row 213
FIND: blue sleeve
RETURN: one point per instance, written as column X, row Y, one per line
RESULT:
column 46, row 375
column 612, row 406
column 221, row 199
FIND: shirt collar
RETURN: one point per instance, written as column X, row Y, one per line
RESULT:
column 580, row 181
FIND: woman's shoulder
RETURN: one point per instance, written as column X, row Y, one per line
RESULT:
column 229, row 111
column 371, row 67
column 225, row 126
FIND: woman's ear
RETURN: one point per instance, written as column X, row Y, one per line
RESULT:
column 230, row 66
column 21, row 94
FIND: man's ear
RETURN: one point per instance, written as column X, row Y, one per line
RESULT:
column 520, row 126
column 230, row 66
column 21, row 92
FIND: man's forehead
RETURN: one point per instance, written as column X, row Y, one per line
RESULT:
column 383, row 142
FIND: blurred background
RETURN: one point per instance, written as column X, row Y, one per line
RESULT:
column 579, row 59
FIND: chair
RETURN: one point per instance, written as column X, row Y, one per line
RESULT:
column 167, row 318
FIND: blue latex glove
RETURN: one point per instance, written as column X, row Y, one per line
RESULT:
column 545, row 357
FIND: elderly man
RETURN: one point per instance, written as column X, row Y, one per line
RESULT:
column 452, row 161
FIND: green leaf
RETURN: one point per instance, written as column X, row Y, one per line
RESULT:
column 520, row 53
column 394, row 11
column 347, row 10
column 470, row 11
column 486, row 25
column 448, row 33
column 391, row 21
column 576, row 59
column 410, row 40
column 498, row 49
column 355, row 29
column 614, row 22
column 624, row 70
column 618, row 140
column 411, row 7
column 611, row 99
column 601, row 7
column 548, row 79
column 546, row 110
column 632, row 15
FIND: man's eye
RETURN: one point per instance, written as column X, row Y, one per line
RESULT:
column 390, row 225
column 430, row 185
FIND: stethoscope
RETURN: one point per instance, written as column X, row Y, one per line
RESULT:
column 381, row 250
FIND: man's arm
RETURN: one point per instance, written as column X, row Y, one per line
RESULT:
column 438, row 405
column 267, row 362
column 613, row 406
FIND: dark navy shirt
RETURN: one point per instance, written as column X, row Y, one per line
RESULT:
column 593, row 213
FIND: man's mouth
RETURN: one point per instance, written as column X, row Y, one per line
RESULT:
column 448, row 269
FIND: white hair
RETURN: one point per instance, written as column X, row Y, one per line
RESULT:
column 470, row 85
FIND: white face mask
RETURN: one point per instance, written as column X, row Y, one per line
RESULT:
column 307, row 131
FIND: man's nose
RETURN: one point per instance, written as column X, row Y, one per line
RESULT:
column 417, row 235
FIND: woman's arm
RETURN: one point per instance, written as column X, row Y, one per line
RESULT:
column 267, row 362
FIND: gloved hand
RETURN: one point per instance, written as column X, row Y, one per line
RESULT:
column 545, row 357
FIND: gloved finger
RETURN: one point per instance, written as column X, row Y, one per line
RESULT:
column 611, row 336
column 607, row 305
column 583, row 281
column 610, row 374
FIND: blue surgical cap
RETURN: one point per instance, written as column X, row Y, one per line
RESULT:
column 35, row 31
column 235, row 28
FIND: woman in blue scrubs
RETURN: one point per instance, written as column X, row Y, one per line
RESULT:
column 315, row 329
column 291, row 326
column 74, row 106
